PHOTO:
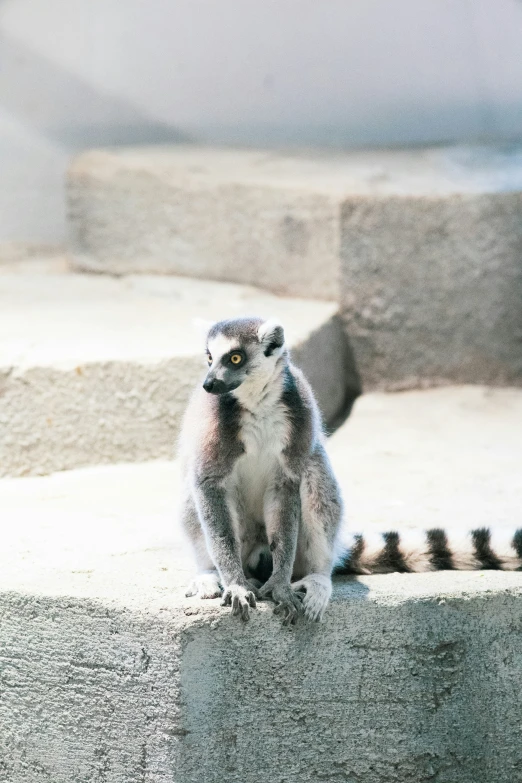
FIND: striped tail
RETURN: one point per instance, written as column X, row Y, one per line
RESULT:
column 414, row 551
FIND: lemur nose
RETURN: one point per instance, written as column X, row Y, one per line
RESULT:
column 208, row 384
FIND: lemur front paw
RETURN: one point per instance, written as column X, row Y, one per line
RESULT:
column 314, row 591
column 206, row 585
column 240, row 598
column 288, row 604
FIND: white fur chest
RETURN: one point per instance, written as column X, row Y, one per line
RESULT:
column 263, row 433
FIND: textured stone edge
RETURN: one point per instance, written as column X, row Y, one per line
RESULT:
column 281, row 238
column 383, row 690
column 434, row 298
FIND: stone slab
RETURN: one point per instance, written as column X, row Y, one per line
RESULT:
column 110, row 674
column 96, row 369
column 246, row 216
column 422, row 247
column 431, row 282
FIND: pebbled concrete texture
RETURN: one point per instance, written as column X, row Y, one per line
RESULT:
column 108, row 673
column 409, row 679
column 240, row 215
column 436, row 296
column 431, row 272
column 96, row 369
column 422, row 247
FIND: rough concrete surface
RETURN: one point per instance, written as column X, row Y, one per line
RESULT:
column 436, row 295
column 423, row 247
column 95, row 369
column 245, row 216
column 108, row 674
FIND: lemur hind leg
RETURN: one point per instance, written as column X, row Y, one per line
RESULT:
column 206, row 583
column 321, row 518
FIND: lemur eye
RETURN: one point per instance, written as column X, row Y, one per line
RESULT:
column 236, row 358
column 209, row 358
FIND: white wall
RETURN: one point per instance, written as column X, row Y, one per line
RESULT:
column 78, row 73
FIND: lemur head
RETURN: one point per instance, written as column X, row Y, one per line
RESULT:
column 242, row 351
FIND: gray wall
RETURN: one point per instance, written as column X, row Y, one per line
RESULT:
column 78, row 73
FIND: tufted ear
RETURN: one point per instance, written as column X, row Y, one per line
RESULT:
column 272, row 336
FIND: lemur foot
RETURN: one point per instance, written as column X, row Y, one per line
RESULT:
column 206, row 585
column 315, row 591
column 241, row 599
column 287, row 601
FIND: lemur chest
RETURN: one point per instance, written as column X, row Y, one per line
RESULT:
column 264, row 438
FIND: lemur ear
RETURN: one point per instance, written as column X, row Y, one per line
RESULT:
column 272, row 335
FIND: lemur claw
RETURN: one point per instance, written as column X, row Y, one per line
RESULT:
column 241, row 599
column 288, row 603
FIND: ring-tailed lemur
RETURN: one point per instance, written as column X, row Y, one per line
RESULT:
column 261, row 504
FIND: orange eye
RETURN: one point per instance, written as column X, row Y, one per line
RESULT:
column 236, row 358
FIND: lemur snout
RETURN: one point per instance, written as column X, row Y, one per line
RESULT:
column 215, row 386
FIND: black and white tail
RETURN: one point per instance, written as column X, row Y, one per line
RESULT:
column 431, row 550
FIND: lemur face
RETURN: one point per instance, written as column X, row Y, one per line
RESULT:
column 241, row 351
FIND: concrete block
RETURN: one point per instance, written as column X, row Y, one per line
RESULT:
column 422, row 247
column 432, row 273
column 109, row 673
column 407, row 680
column 96, row 370
column 246, row 216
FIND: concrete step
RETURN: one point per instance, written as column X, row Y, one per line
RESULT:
column 250, row 217
column 109, row 673
column 422, row 247
column 96, row 369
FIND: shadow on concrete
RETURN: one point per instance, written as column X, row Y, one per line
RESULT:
column 349, row 588
column 353, row 386
column 69, row 111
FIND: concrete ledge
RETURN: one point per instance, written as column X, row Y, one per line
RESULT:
column 96, row 370
column 246, row 216
column 436, row 297
column 422, row 247
column 108, row 673
column 431, row 271
column 409, row 678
